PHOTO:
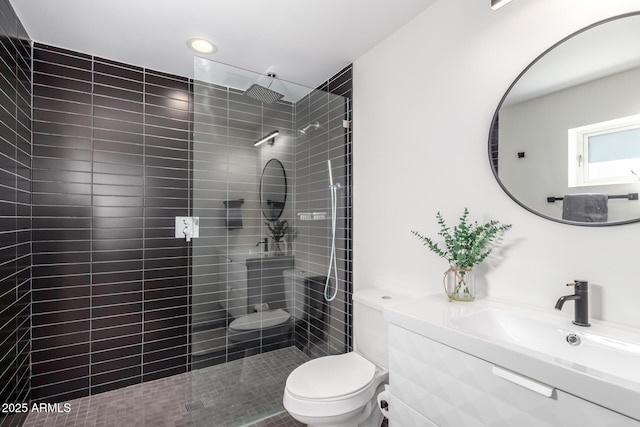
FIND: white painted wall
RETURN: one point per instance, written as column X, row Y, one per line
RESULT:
column 423, row 102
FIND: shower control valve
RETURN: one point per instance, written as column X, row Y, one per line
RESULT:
column 187, row 227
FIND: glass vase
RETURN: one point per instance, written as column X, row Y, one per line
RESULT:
column 277, row 248
column 459, row 284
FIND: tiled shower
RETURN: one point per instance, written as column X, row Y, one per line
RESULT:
column 97, row 293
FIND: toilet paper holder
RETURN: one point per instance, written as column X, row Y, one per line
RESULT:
column 383, row 401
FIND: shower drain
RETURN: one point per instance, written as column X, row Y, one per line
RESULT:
column 194, row 406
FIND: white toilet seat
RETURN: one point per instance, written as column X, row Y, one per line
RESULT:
column 331, row 377
column 260, row 320
column 346, row 401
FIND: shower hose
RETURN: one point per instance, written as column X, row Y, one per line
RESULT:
column 332, row 257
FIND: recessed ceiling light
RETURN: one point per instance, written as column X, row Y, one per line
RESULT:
column 201, row 45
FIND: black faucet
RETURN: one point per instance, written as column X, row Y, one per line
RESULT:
column 264, row 241
column 581, row 298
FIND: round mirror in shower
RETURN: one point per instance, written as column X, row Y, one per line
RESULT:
column 273, row 189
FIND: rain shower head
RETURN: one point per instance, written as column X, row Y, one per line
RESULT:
column 306, row 129
column 264, row 94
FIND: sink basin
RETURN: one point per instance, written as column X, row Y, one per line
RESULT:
column 601, row 348
column 603, row 365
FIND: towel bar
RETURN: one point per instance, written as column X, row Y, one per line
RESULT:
column 630, row 196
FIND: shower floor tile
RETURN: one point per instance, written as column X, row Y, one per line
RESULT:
column 244, row 392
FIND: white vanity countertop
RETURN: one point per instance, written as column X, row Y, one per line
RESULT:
column 531, row 342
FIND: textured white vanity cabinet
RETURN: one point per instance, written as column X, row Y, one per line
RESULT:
column 453, row 388
column 405, row 415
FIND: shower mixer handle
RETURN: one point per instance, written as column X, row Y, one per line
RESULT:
column 187, row 230
column 187, row 227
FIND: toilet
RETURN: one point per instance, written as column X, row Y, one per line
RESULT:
column 271, row 324
column 341, row 390
column 250, row 328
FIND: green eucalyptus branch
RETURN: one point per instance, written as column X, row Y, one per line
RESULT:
column 277, row 229
column 468, row 244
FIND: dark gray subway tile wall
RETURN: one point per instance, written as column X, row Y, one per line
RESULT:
column 111, row 171
column 331, row 333
column 15, row 212
column 342, row 84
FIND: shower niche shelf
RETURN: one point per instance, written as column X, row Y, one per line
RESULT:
column 312, row 216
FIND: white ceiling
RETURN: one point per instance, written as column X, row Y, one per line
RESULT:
column 303, row 41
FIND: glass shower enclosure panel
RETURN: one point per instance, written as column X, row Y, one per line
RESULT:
column 261, row 193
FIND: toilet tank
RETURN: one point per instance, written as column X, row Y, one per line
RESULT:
column 369, row 325
column 295, row 292
column 235, row 275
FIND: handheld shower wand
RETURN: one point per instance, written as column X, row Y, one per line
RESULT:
column 332, row 257
column 330, row 174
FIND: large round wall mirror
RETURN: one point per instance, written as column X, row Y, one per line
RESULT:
column 565, row 139
column 273, row 189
